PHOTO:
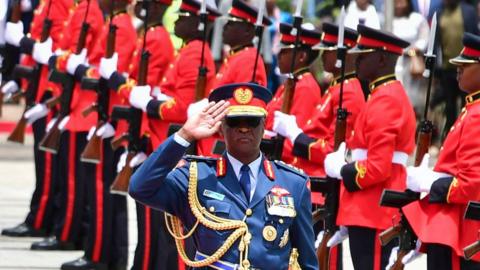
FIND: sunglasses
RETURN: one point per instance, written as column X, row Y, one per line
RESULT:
column 251, row 122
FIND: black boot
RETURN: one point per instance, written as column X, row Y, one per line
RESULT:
column 52, row 243
column 23, row 230
column 83, row 264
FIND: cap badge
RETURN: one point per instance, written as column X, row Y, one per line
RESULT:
column 243, row 95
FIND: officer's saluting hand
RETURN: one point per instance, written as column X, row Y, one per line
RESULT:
column 243, row 211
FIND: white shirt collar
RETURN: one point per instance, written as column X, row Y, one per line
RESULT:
column 254, row 166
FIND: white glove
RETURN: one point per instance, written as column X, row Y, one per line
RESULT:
column 50, row 124
column 335, row 161
column 108, row 66
column 106, row 131
column 421, row 178
column 337, row 238
column 91, row 131
column 42, row 51
column 36, row 112
column 140, row 96
column 196, row 107
column 10, row 87
column 63, row 123
column 75, row 60
column 14, row 33
column 162, row 97
column 122, row 161
column 286, row 125
column 137, row 160
column 410, row 256
column 26, row 5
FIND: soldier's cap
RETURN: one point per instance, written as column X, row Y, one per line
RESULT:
column 329, row 37
column 193, row 7
column 243, row 12
column 370, row 40
column 246, row 99
column 309, row 36
column 470, row 53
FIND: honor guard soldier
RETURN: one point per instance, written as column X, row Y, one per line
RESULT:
column 243, row 211
column 73, row 128
column 383, row 139
column 40, row 218
column 307, row 92
column 107, row 234
column 437, row 219
column 155, row 249
column 238, row 67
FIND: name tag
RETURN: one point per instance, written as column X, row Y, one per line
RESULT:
column 213, row 195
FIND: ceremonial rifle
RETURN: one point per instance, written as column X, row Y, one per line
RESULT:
column 289, row 85
column 93, row 150
column 333, row 196
column 134, row 118
column 397, row 199
column 32, row 74
column 51, row 141
column 472, row 212
column 259, row 34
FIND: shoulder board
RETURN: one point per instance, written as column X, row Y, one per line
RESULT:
column 200, row 159
column 290, row 168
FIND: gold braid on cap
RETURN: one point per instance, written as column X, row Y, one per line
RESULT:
column 209, row 220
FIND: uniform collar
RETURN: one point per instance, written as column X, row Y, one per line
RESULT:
column 473, row 97
column 238, row 49
column 381, row 80
column 347, row 76
column 299, row 72
column 254, row 165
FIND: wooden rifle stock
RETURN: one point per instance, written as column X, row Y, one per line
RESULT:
column 18, row 133
column 82, row 39
column 390, row 234
column 92, row 153
column 90, row 109
column 201, row 84
column 121, row 182
column 398, row 265
column 16, row 14
column 288, row 92
column 117, row 142
column 51, row 142
column 423, row 141
column 323, row 251
column 471, row 250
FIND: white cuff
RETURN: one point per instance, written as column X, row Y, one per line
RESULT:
column 178, row 139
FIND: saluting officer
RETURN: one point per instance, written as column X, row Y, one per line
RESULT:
column 437, row 219
column 242, row 209
column 384, row 138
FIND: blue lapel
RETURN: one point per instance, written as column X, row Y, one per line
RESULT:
column 264, row 185
column 231, row 184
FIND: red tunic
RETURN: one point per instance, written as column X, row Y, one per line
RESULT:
column 443, row 210
column 236, row 68
column 385, row 124
column 68, row 41
column 307, row 96
column 179, row 83
column 125, row 42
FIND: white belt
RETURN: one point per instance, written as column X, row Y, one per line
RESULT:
column 400, row 158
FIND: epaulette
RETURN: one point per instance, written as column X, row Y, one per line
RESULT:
column 210, row 160
column 290, row 168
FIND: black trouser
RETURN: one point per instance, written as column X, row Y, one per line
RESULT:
column 107, row 234
column 71, row 221
column 155, row 247
column 40, row 216
column 439, row 257
column 365, row 249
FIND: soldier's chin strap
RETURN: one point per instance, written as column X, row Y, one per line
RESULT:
column 209, row 220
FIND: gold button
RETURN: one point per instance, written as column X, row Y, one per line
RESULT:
column 281, row 221
column 211, row 209
column 248, row 212
column 309, row 121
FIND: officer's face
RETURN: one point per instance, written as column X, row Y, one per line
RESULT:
column 285, row 60
column 468, row 77
column 367, row 65
column 186, row 26
column 235, row 33
column 243, row 135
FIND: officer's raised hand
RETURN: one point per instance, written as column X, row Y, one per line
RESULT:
column 205, row 123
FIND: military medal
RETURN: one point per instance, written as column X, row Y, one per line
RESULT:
column 269, row 233
column 280, row 203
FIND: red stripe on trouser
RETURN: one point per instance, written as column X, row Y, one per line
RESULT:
column 377, row 252
column 70, row 187
column 47, row 182
column 97, row 248
column 146, row 250
column 455, row 261
column 332, row 261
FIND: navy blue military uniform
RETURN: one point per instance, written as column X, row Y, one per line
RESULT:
column 278, row 215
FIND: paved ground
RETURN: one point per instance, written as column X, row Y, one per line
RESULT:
column 16, row 187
